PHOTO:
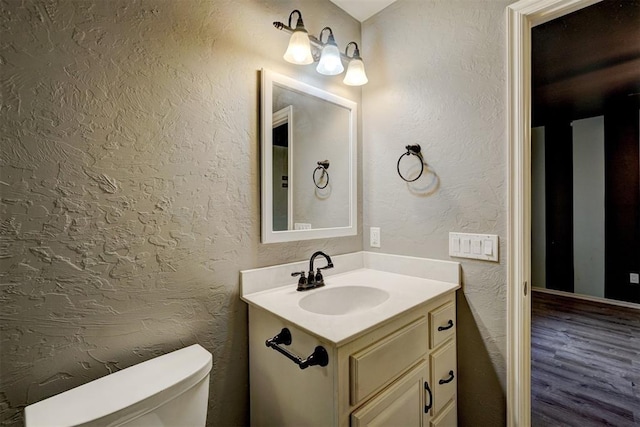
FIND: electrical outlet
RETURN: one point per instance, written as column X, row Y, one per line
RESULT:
column 634, row 278
column 374, row 237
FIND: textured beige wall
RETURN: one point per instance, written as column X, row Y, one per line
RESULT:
column 130, row 185
column 437, row 78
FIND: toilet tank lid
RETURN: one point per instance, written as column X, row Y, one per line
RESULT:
column 173, row 372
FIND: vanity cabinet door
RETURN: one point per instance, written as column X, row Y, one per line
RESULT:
column 401, row 404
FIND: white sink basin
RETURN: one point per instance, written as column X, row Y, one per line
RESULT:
column 343, row 300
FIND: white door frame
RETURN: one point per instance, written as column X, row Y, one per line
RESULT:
column 281, row 117
column 521, row 17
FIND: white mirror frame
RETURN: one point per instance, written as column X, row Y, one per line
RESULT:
column 521, row 17
column 269, row 78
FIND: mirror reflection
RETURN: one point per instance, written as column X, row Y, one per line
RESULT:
column 308, row 131
column 308, row 161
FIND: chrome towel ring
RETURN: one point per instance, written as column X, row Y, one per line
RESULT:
column 415, row 151
column 323, row 165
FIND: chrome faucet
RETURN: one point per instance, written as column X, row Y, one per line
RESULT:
column 314, row 281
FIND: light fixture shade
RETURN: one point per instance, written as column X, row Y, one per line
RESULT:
column 299, row 50
column 330, row 63
column 355, row 73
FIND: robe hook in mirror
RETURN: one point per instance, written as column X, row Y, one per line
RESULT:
column 412, row 150
column 323, row 165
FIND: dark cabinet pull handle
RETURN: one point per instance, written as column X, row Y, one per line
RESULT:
column 444, row 328
column 428, row 406
column 318, row 357
column 448, row 380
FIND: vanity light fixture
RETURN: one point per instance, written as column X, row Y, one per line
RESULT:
column 356, row 75
column 327, row 55
column 299, row 50
column 330, row 63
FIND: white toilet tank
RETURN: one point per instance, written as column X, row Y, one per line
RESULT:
column 170, row 390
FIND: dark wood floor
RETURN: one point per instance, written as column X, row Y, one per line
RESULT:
column 585, row 363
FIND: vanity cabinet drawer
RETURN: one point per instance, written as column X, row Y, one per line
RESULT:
column 380, row 363
column 448, row 417
column 443, row 376
column 443, row 323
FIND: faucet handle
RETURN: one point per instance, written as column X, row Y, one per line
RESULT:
column 302, row 282
column 299, row 273
column 319, row 278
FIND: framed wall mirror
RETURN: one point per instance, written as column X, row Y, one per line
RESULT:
column 308, row 148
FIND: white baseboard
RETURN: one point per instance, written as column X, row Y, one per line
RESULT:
column 587, row 298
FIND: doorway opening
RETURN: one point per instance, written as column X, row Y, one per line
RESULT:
column 521, row 18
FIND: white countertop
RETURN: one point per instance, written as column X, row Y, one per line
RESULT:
column 405, row 293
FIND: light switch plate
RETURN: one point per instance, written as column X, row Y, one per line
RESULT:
column 475, row 246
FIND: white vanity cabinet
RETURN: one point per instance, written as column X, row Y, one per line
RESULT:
column 401, row 372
